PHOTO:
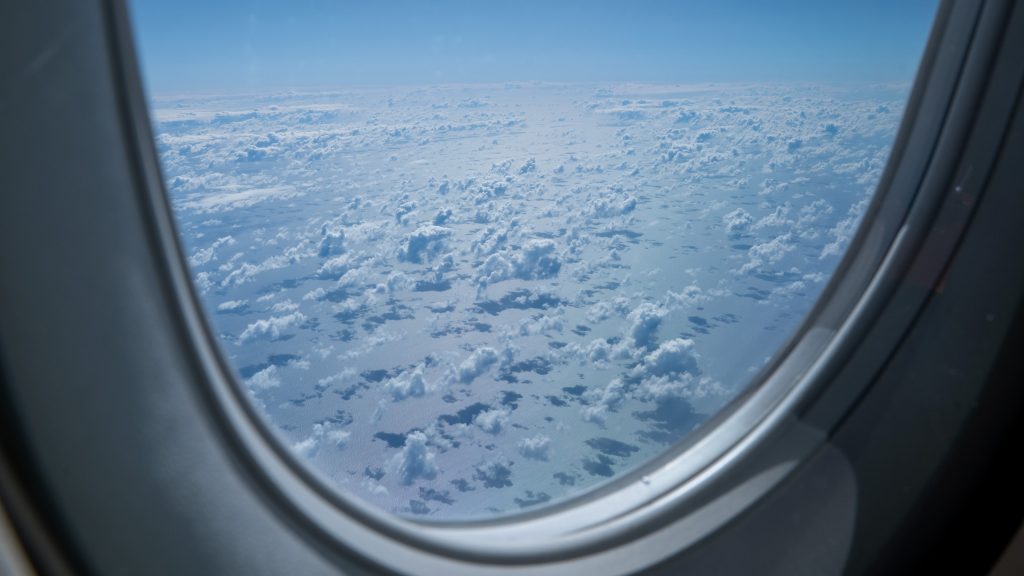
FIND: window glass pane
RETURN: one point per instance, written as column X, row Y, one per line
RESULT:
column 470, row 258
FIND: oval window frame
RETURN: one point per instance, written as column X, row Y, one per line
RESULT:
column 749, row 447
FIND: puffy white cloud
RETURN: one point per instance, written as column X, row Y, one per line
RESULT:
column 492, row 239
column 442, row 216
column 494, row 474
column 336, row 266
column 777, row 219
column 644, row 322
column 616, row 206
column 332, row 238
column 424, row 242
column 536, row 447
column 494, row 268
column 247, row 271
column 337, row 437
column 321, row 434
column 536, row 260
column 232, row 305
column 306, row 448
column 599, row 351
column 203, row 281
column 410, row 383
column 602, row 400
column 813, row 212
column 737, row 223
column 270, row 328
column 606, row 309
column 354, row 278
column 203, row 255
column 317, row 293
column 690, row 297
column 346, row 376
column 541, row 325
column 285, row 306
column 767, row 253
column 415, row 460
column 596, row 413
column 476, row 364
column 675, row 356
column 491, row 421
column 266, row 378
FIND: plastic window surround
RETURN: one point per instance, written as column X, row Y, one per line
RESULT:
column 699, row 485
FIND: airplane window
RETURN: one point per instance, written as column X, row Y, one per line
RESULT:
column 470, row 259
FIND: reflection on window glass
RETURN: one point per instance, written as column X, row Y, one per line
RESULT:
column 472, row 258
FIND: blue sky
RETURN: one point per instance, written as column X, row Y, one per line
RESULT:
column 192, row 45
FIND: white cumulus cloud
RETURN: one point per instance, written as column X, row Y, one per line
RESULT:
column 271, row 328
column 415, row 460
